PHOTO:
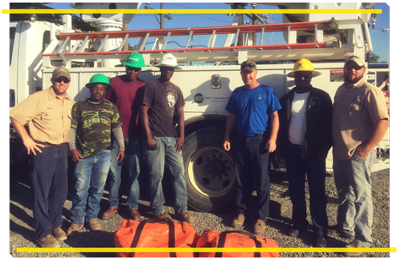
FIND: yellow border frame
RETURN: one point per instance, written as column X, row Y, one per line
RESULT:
column 189, row 11
column 198, row 11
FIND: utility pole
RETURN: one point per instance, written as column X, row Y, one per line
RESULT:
column 239, row 6
column 161, row 22
column 255, row 21
column 162, row 17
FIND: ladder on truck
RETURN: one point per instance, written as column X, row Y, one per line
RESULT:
column 72, row 46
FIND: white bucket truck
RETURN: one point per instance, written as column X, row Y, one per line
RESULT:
column 38, row 47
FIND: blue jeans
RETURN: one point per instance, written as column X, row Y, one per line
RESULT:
column 251, row 169
column 91, row 172
column 297, row 169
column 155, row 160
column 353, row 183
column 49, row 177
column 133, row 154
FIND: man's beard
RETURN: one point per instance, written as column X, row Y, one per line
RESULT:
column 352, row 81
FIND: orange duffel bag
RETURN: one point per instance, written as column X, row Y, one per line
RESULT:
column 154, row 234
column 238, row 239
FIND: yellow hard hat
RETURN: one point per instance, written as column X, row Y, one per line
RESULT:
column 303, row 65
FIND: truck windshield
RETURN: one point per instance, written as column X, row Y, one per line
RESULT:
column 12, row 36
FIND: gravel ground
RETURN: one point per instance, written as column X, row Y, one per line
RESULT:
column 279, row 222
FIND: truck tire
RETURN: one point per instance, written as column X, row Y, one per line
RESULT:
column 209, row 171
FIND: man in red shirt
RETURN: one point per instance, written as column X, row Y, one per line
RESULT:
column 126, row 94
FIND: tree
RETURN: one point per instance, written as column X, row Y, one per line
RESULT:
column 130, row 47
column 373, row 58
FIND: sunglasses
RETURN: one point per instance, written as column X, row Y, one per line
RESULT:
column 166, row 68
column 349, row 67
column 305, row 76
column 250, row 65
column 62, row 79
column 134, row 69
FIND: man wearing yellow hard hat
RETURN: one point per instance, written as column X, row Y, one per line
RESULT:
column 304, row 141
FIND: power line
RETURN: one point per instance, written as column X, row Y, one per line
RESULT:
column 174, row 42
column 205, row 17
column 187, row 7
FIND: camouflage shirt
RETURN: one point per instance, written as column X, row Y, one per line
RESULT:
column 93, row 123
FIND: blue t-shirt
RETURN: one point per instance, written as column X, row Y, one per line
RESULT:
column 252, row 108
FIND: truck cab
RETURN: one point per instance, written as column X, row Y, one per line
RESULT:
column 28, row 40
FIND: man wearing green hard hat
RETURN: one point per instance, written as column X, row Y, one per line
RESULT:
column 92, row 122
column 125, row 94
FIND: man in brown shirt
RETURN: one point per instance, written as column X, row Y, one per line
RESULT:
column 162, row 99
column 360, row 121
column 48, row 114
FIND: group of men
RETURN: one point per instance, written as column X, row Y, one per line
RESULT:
column 302, row 127
column 125, row 117
column 101, row 134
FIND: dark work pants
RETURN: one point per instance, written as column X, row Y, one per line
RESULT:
column 49, row 176
column 251, row 169
column 297, row 169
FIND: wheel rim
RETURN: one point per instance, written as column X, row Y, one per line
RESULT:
column 211, row 172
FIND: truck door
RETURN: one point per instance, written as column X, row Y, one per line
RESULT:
column 14, row 42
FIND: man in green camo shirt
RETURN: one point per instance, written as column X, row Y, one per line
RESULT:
column 92, row 122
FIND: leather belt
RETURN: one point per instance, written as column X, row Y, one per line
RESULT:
column 46, row 144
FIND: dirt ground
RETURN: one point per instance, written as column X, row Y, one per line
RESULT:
column 278, row 224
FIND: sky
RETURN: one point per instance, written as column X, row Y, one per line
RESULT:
column 380, row 39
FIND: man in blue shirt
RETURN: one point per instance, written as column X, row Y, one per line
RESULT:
column 250, row 106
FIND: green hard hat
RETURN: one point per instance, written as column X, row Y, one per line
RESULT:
column 136, row 60
column 99, row 78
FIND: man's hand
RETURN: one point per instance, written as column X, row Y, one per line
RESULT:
column 31, row 145
column 120, row 155
column 362, row 151
column 278, row 156
column 75, row 155
column 270, row 146
column 179, row 144
column 227, row 145
column 152, row 143
column 378, row 132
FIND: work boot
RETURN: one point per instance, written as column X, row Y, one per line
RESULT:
column 59, row 234
column 353, row 244
column 109, row 212
column 186, row 216
column 134, row 215
column 259, row 226
column 238, row 221
column 162, row 215
column 49, row 241
column 93, row 225
column 294, row 232
column 337, row 232
column 74, row 228
column 320, row 241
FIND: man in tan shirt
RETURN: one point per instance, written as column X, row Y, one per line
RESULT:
column 360, row 121
column 48, row 114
